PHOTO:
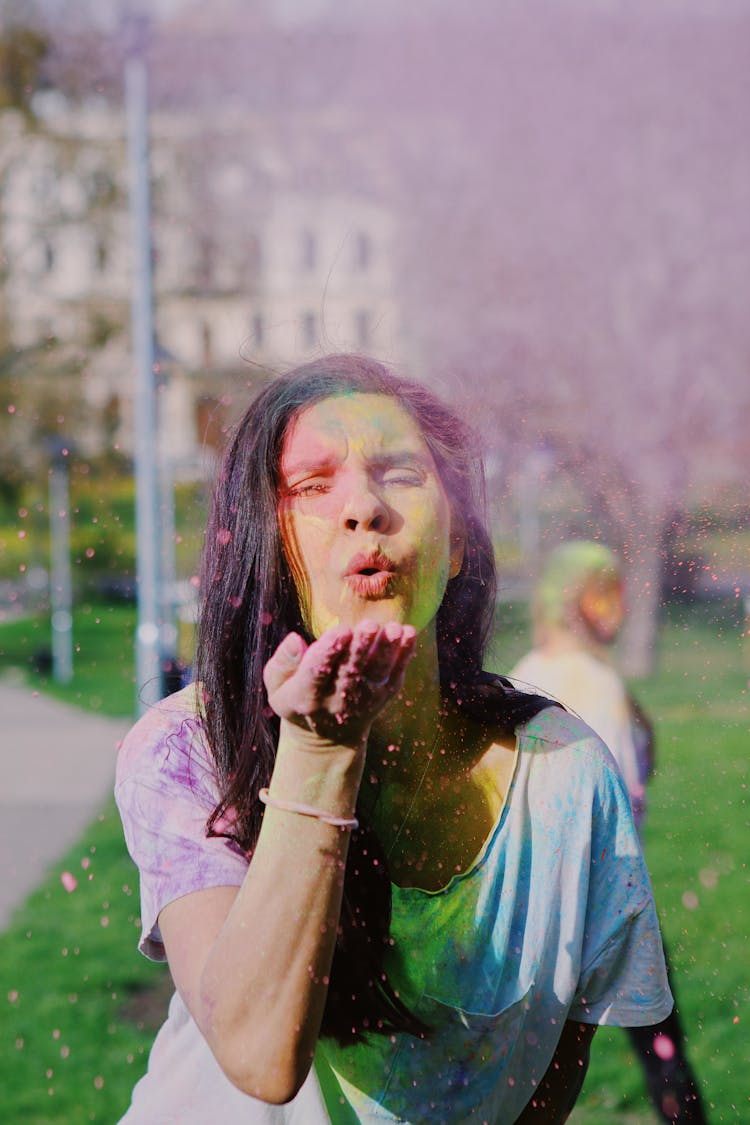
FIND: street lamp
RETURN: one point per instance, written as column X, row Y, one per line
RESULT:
column 60, row 579
column 166, row 370
column 148, row 665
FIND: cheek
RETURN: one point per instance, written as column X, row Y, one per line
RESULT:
column 296, row 551
column 304, row 537
column 434, row 518
column 305, row 541
column 434, row 555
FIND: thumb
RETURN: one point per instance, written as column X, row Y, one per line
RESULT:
column 284, row 662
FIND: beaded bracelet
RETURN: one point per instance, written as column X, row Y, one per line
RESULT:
column 307, row 810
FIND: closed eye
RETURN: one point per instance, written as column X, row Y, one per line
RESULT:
column 307, row 488
column 410, row 477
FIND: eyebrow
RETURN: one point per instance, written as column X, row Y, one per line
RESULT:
column 386, row 460
column 326, row 464
column 322, row 464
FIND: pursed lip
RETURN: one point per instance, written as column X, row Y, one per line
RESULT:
column 369, row 574
column 368, row 563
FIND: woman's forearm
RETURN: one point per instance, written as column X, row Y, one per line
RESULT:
column 263, row 974
column 264, row 984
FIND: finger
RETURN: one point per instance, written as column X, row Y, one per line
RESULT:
column 364, row 636
column 371, row 675
column 353, row 675
column 382, row 655
column 324, row 658
column 284, row 662
column 351, row 684
column 407, row 648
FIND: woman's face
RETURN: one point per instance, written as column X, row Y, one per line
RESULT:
column 365, row 521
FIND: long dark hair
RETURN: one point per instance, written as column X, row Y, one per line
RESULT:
column 248, row 605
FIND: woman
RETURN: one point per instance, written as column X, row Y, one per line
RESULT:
column 389, row 887
column 579, row 611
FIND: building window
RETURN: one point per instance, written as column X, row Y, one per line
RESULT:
column 309, row 250
column 101, row 256
column 205, row 262
column 309, row 330
column 111, row 418
column 43, row 185
column 362, row 327
column 254, row 253
column 207, row 345
column 101, row 187
column 362, row 251
column 211, row 423
column 48, row 256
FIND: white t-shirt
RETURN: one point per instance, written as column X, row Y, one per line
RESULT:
column 553, row 920
column 594, row 691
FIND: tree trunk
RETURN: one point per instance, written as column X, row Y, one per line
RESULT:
column 643, row 600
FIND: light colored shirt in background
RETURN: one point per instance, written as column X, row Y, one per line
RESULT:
column 593, row 690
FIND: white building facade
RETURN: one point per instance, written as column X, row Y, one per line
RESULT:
column 255, row 268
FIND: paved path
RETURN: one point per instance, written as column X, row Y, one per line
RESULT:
column 58, row 765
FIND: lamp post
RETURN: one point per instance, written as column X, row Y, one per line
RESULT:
column 148, row 669
column 165, row 372
column 60, row 579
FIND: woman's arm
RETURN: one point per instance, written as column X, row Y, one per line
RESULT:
column 252, row 965
column 558, row 1091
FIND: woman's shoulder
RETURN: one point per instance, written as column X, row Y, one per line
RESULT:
column 169, row 738
column 553, row 729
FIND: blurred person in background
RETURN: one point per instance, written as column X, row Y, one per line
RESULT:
column 578, row 612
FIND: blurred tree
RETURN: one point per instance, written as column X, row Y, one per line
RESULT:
column 578, row 264
column 23, row 48
column 570, row 186
column 40, row 399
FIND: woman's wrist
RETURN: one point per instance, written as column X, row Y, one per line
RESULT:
column 316, row 771
column 295, row 737
column 300, row 809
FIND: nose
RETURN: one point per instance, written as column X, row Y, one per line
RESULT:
column 364, row 508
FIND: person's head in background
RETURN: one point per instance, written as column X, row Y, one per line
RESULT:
column 579, row 598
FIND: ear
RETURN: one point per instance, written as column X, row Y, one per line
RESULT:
column 457, row 545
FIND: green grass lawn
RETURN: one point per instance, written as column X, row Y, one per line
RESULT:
column 103, row 658
column 79, row 1005
column 69, row 975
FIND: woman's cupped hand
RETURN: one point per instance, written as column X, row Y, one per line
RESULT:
column 336, row 686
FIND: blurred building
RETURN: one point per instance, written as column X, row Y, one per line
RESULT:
column 255, row 265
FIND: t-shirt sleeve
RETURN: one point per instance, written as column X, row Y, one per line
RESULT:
column 623, row 976
column 165, row 792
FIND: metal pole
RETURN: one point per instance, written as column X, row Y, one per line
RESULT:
column 61, row 582
column 168, row 521
column 148, row 670
column 166, row 372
